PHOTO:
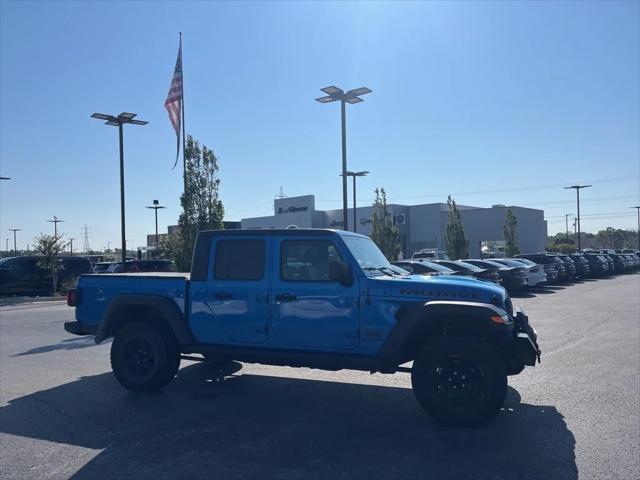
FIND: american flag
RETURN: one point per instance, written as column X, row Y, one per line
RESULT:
column 173, row 103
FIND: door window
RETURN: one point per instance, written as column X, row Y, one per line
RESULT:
column 307, row 260
column 239, row 259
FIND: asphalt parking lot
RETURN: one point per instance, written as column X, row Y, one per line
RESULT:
column 577, row 415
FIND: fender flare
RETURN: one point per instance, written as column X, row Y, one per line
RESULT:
column 166, row 308
column 417, row 322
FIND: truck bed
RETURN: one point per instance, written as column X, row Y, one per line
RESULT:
column 98, row 290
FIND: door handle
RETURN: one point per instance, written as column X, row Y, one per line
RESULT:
column 223, row 295
column 285, row 297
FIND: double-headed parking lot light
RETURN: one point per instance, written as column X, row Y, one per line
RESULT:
column 119, row 121
column 334, row 94
column 156, row 205
column 577, row 189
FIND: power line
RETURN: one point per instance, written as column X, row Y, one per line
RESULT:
column 493, row 191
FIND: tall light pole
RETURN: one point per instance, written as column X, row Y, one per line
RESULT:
column 156, row 205
column 638, row 209
column 352, row 96
column 14, row 230
column 354, row 175
column 577, row 188
column 55, row 222
column 119, row 121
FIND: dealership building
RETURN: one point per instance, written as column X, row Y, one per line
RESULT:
column 420, row 226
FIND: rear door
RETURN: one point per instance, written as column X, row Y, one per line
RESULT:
column 237, row 290
column 308, row 309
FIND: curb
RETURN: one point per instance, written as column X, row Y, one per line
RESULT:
column 13, row 301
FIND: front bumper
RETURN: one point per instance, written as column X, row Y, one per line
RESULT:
column 525, row 346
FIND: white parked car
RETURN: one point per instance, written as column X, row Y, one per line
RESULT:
column 536, row 275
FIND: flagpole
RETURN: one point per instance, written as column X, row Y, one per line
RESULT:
column 184, row 137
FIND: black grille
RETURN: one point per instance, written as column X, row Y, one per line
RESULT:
column 508, row 305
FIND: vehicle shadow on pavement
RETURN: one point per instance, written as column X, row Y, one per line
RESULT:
column 67, row 344
column 252, row 426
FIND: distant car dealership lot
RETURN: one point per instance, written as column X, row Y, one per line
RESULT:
column 62, row 413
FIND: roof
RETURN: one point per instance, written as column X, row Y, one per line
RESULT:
column 289, row 232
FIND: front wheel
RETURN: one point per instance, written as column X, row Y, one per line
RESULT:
column 143, row 357
column 459, row 381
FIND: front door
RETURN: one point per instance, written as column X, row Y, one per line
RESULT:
column 238, row 291
column 308, row 309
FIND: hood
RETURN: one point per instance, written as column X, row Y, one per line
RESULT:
column 441, row 287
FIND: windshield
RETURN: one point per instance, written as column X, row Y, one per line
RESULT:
column 526, row 262
column 488, row 263
column 439, row 268
column 468, row 266
column 510, row 263
column 366, row 253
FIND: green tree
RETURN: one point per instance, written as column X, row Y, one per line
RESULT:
column 202, row 208
column 511, row 234
column 561, row 247
column 171, row 247
column 383, row 231
column 50, row 247
column 455, row 241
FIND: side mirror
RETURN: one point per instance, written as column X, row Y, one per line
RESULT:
column 340, row 272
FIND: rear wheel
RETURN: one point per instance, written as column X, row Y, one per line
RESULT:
column 144, row 358
column 459, row 381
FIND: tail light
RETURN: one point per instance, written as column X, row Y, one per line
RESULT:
column 73, row 297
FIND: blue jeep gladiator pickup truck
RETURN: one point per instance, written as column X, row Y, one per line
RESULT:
column 311, row 298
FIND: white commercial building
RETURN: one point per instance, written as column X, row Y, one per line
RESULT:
column 420, row 226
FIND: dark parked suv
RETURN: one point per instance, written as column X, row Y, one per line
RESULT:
column 22, row 275
column 582, row 265
column 569, row 264
column 553, row 266
column 512, row 278
column 466, row 269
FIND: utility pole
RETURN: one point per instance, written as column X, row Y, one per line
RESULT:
column 638, row 209
column 55, row 222
column 566, row 222
column 71, row 246
column 14, row 230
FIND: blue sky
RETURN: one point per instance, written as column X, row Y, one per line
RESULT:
column 500, row 102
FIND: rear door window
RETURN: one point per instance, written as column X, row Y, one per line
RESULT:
column 240, row 259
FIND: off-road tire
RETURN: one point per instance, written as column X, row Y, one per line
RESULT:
column 475, row 370
column 144, row 358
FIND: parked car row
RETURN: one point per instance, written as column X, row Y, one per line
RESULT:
column 529, row 270
column 135, row 266
column 24, row 275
